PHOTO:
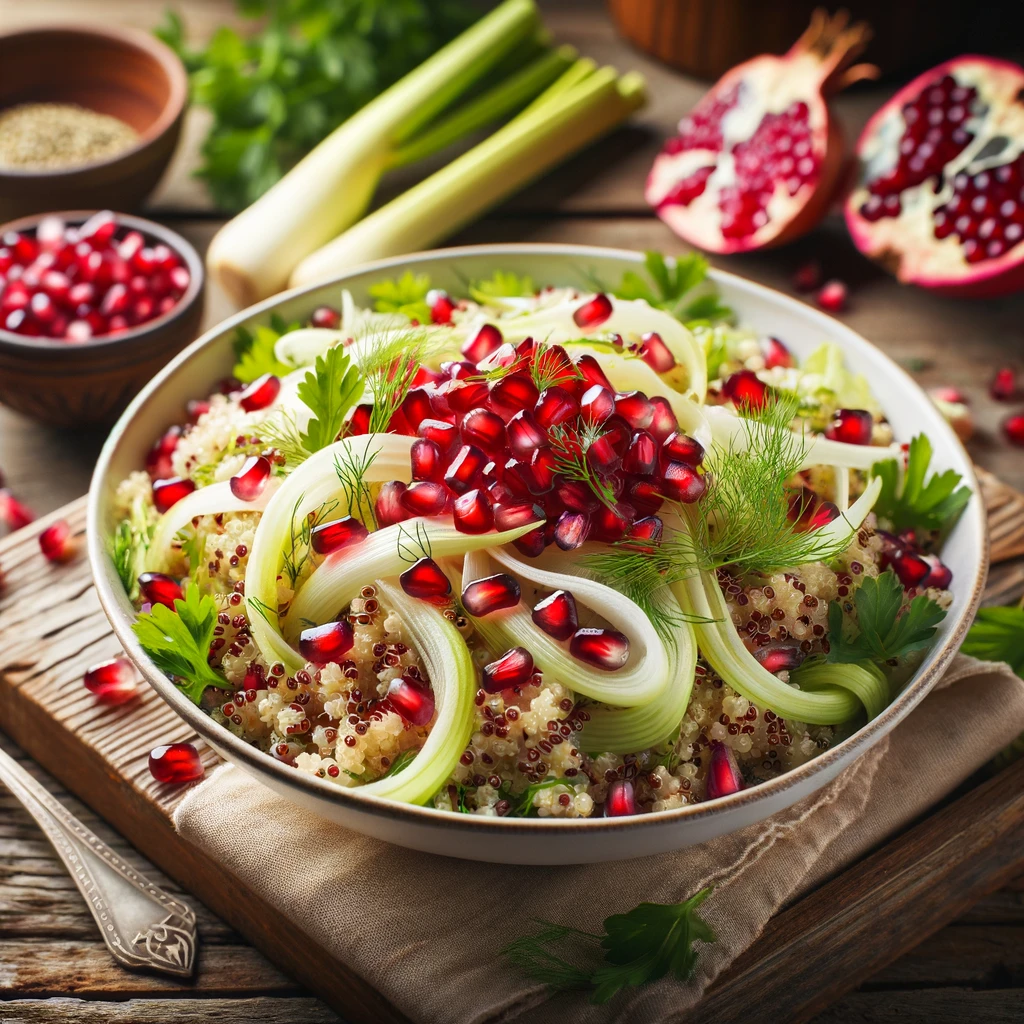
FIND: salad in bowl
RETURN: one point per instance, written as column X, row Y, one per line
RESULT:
column 525, row 550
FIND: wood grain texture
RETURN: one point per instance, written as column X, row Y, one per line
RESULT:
column 265, row 1010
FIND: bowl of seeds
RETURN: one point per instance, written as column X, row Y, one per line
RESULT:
column 89, row 117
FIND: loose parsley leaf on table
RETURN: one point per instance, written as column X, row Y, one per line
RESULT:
column 917, row 505
column 178, row 642
column 330, row 389
column 406, row 294
column 883, row 632
column 998, row 635
column 649, row 942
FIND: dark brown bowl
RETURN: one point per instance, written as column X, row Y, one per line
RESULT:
column 70, row 384
column 115, row 71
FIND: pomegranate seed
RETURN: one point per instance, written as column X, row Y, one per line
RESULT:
column 531, row 544
column 577, row 495
column 337, row 534
column 512, row 394
column 260, row 393
column 851, row 426
column 620, row 801
column 555, row 405
column 682, row 483
column 472, row 512
column 99, row 228
column 780, row 657
column 175, row 764
column 911, row 569
column 426, row 498
column 809, row 512
column 832, row 296
column 664, row 421
column 326, row 317
column 593, row 313
column 602, row 456
column 158, row 588
column 115, row 301
column 170, row 491
column 940, row 576
column 571, row 530
column 645, row 534
column 389, row 508
column 746, row 390
column 513, row 668
column 13, row 514
column 412, row 699
column 503, row 357
column 441, row 307
column 425, row 460
column 130, row 245
column 1004, row 385
column 949, row 394
column 466, row 469
column 463, row 395
column 50, row 232
column 195, row 408
column 326, row 644
column 525, row 433
column 807, row 277
column 723, row 775
column 23, row 247
column 680, row 447
column 590, row 374
column 635, row 408
column 513, row 516
column 654, row 352
column 486, row 341
column 251, row 480
column 113, row 682
column 596, row 405
column 42, row 307
column 776, row 354
column 441, row 433
column 491, row 594
column 417, row 405
column 1013, row 428
column 82, row 292
column 424, row 579
column 56, row 542
column 483, row 428
column 15, row 296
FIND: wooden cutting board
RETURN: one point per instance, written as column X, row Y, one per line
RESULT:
column 52, row 629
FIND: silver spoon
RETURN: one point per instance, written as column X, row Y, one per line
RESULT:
column 144, row 927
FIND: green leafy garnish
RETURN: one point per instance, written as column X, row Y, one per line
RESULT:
column 651, row 941
column 351, row 468
column 330, row 389
column 404, row 759
column 129, row 545
column 883, row 633
column 276, row 92
column 570, row 446
column 406, row 294
column 389, row 366
column 501, row 284
column 254, row 352
column 669, row 286
column 178, row 642
column 998, row 635
column 929, row 506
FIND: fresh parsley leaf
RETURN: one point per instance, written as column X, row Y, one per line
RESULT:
column 883, row 633
column 501, row 284
column 255, row 352
column 404, row 759
column 667, row 287
column 178, row 642
column 934, row 506
column 649, row 942
column 406, row 294
column 330, row 389
column 998, row 635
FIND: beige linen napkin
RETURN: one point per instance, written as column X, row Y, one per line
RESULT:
column 427, row 931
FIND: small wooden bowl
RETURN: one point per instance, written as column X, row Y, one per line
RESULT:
column 115, row 71
column 71, row 384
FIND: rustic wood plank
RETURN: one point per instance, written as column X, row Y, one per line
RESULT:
column 266, row 1010
column 934, row 1005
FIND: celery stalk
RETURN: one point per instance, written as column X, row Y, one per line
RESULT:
column 331, row 187
column 514, row 155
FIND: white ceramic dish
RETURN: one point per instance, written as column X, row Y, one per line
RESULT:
column 523, row 840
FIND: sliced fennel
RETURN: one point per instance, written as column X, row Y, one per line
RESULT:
column 381, row 456
column 205, row 501
column 864, row 680
column 453, row 679
column 388, row 552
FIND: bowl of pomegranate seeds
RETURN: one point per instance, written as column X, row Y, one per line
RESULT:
column 535, row 553
column 91, row 306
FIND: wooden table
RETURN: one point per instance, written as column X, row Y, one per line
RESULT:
column 50, row 952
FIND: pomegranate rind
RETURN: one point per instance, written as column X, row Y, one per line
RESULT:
column 905, row 245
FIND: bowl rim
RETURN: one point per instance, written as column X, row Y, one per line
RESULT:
column 302, row 783
column 184, row 248
column 174, row 72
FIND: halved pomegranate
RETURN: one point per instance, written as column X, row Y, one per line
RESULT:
column 939, row 202
column 758, row 159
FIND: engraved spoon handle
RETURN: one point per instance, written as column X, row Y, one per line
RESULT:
column 143, row 926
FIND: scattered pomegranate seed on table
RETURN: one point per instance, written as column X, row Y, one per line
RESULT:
column 1013, row 429
column 13, row 514
column 56, row 542
column 176, row 764
column 807, row 277
column 113, row 682
column 1004, row 384
column 832, row 296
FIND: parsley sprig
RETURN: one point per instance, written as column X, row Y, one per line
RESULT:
column 502, row 284
column 178, row 642
column 998, row 635
column 329, row 390
column 406, row 294
column 670, row 288
column 254, row 350
column 883, row 632
column 649, row 942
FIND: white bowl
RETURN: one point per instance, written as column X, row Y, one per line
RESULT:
column 522, row 840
